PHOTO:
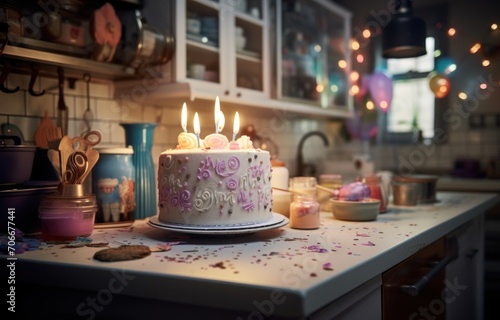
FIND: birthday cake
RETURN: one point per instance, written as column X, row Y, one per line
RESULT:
column 214, row 183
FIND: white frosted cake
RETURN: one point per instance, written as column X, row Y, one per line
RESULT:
column 217, row 184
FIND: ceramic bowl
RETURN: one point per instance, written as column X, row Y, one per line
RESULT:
column 241, row 42
column 193, row 26
column 365, row 210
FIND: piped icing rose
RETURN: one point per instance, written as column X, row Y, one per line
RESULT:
column 245, row 142
column 187, row 141
column 215, row 141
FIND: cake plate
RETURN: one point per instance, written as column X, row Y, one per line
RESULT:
column 276, row 221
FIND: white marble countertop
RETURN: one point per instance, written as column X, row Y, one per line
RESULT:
column 307, row 269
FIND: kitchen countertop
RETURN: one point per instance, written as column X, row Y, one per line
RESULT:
column 301, row 270
column 446, row 183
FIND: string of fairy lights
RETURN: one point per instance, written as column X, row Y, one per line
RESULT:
column 439, row 78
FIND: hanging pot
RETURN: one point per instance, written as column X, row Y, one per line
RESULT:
column 141, row 44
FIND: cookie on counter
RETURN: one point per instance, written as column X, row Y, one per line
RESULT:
column 123, row 253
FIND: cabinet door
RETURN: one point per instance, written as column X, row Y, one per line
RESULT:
column 221, row 47
column 465, row 275
column 199, row 52
column 313, row 53
column 250, row 75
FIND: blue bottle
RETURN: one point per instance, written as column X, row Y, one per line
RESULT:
column 140, row 137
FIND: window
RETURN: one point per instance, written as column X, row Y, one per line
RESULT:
column 412, row 106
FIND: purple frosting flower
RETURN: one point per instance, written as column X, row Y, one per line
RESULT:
column 227, row 169
column 175, row 200
column 185, row 198
column 203, row 174
column 232, row 184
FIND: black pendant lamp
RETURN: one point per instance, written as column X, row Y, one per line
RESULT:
column 404, row 36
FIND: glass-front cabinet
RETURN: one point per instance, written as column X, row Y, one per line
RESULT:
column 313, row 54
column 222, row 48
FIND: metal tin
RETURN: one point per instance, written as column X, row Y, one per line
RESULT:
column 113, row 183
column 427, row 186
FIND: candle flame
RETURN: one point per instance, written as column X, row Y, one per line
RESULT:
column 222, row 121
column 196, row 124
column 184, row 117
column 236, row 124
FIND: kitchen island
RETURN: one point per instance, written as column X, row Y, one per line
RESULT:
column 283, row 272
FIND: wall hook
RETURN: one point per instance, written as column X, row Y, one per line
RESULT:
column 3, row 77
column 34, row 74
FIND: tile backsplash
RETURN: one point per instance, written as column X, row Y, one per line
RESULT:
column 285, row 130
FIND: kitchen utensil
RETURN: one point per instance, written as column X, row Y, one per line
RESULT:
column 53, row 136
column 62, row 109
column 142, row 45
column 55, row 159
column 88, row 116
column 42, row 132
column 10, row 129
column 89, row 140
column 92, row 158
column 106, row 30
column 16, row 160
column 76, row 168
column 65, row 150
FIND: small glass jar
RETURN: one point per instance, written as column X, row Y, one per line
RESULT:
column 305, row 185
column 377, row 191
column 304, row 212
column 330, row 181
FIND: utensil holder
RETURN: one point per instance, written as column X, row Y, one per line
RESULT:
column 140, row 137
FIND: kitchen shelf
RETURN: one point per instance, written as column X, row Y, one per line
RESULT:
column 74, row 66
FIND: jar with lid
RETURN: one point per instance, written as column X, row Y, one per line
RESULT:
column 66, row 217
column 305, row 185
column 113, row 182
column 279, row 179
column 304, row 212
column 330, row 181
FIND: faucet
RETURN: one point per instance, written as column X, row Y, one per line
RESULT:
column 301, row 167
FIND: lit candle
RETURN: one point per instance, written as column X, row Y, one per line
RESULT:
column 217, row 114
column 196, row 125
column 236, row 125
column 184, row 117
column 222, row 121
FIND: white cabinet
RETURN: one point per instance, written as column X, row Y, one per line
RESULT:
column 210, row 62
column 465, row 275
column 222, row 48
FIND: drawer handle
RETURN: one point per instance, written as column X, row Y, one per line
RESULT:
column 414, row 289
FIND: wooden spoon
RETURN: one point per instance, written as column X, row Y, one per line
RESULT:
column 66, row 149
column 55, row 159
column 92, row 158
